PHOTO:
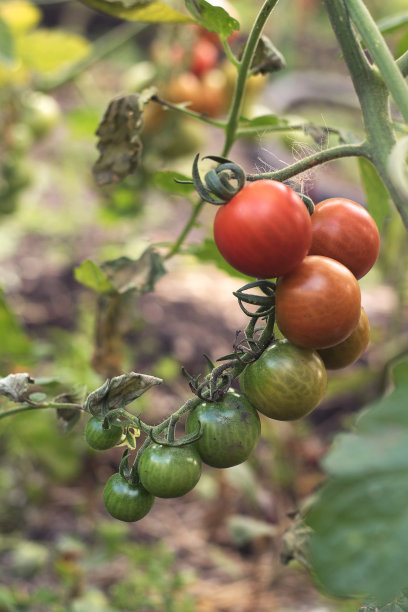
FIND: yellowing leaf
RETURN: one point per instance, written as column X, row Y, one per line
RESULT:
column 49, row 51
column 154, row 12
column 19, row 15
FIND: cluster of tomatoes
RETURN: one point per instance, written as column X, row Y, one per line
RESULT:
column 266, row 231
column 229, row 432
column 201, row 81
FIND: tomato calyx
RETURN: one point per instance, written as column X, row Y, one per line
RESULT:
column 218, row 188
column 184, row 441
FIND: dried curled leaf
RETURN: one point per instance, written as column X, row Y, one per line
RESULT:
column 267, row 58
column 119, row 132
column 118, row 392
column 16, row 386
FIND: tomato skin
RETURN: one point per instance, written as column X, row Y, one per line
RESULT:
column 99, row 438
column 126, row 502
column 231, row 429
column 347, row 352
column 264, row 230
column 169, row 471
column 345, row 231
column 286, row 382
column 204, row 56
column 318, row 304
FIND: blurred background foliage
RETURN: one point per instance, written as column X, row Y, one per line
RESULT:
column 219, row 548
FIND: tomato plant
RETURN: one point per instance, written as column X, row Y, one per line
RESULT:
column 100, row 438
column 231, row 429
column 347, row 352
column 286, row 382
column 318, row 304
column 125, row 501
column 264, row 230
column 345, row 231
column 169, row 471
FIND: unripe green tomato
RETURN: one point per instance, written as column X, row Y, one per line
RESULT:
column 347, row 352
column 231, row 429
column 124, row 501
column 286, row 382
column 169, row 471
column 43, row 113
column 99, row 438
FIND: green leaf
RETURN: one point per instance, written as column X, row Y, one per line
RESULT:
column 150, row 12
column 359, row 517
column 378, row 199
column 393, row 23
column 399, row 604
column 6, row 43
column 165, row 180
column 92, row 276
column 213, row 18
column 51, row 51
column 119, row 132
column 208, row 252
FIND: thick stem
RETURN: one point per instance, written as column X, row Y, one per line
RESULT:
column 317, row 159
column 243, row 71
column 380, row 53
column 373, row 97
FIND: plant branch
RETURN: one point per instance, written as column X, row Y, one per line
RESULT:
column 380, row 53
column 103, row 47
column 189, row 113
column 39, row 406
column 243, row 71
column 186, row 229
column 316, row 159
column 402, row 63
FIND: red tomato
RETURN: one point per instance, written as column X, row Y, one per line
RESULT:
column 345, row 231
column 204, row 56
column 318, row 304
column 264, row 230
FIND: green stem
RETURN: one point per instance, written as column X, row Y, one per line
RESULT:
column 186, row 229
column 319, row 158
column 244, row 67
column 381, row 54
column 29, row 407
column 284, row 128
column 402, row 63
column 103, row 47
column 189, row 113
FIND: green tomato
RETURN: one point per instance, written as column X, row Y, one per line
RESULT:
column 231, row 429
column 169, row 471
column 99, row 438
column 286, row 382
column 124, row 501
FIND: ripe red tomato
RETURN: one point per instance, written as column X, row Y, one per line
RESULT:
column 347, row 352
column 345, row 231
column 204, row 56
column 318, row 304
column 264, row 230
